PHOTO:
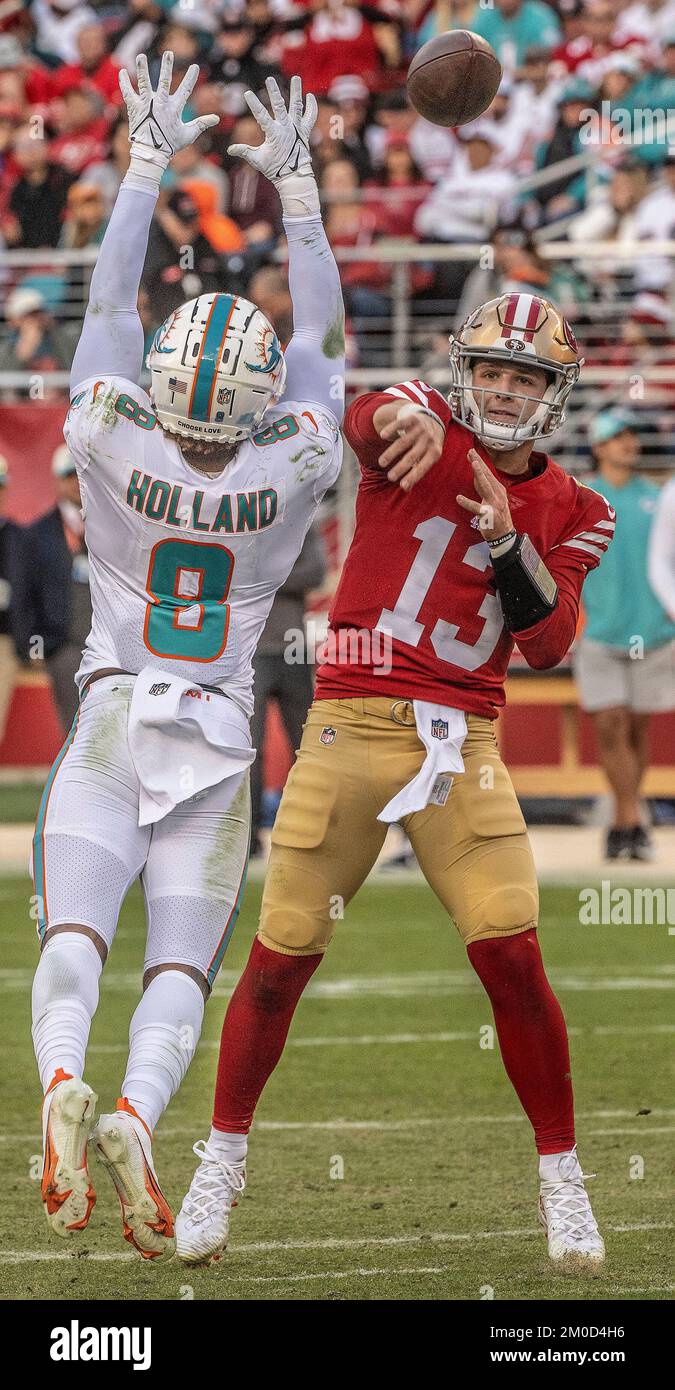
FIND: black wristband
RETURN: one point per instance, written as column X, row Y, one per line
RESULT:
column 527, row 590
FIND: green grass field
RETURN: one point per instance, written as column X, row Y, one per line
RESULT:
column 384, row 1081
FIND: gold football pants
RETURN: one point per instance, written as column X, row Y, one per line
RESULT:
column 474, row 851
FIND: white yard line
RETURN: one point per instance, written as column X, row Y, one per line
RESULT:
column 387, row 1126
column 406, row 985
column 386, row 1039
column 332, row 1243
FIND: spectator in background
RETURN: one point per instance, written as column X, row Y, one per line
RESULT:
column 519, row 268
column 624, row 661
column 652, row 20
column 340, row 38
column 351, row 223
column 393, row 115
column 397, row 192
column 58, row 23
column 36, row 342
column 509, row 122
column 513, row 26
column 269, row 290
column 586, row 54
column 22, row 83
column 351, row 97
column 9, row 169
column 192, row 165
column 234, row 65
column 109, row 173
column 656, row 88
column 53, row 599
column 180, row 38
column 661, row 556
column 94, row 67
column 220, row 231
column 9, row 557
column 535, row 100
column 82, row 129
column 84, row 226
column 567, row 194
column 38, row 199
column 466, row 204
column 252, row 201
column 614, row 215
column 180, row 262
column 275, row 678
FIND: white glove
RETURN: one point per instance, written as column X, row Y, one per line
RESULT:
column 156, row 130
column 284, row 156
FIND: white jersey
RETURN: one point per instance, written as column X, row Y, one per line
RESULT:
column 184, row 568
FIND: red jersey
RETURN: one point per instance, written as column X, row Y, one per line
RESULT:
column 416, row 614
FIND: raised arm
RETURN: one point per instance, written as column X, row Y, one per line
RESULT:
column 315, row 361
column 111, row 342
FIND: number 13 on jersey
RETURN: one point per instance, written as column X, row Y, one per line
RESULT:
column 188, row 615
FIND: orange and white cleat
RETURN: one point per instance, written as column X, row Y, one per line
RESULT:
column 68, row 1112
column 123, row 1143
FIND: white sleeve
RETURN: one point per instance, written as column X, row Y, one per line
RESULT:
column 111, row 342
column 661, row 555
column 315, row 356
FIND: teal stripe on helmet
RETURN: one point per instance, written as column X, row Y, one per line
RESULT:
column 208, row 361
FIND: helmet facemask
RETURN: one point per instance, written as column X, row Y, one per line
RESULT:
column 468, row 400
column 523, row 330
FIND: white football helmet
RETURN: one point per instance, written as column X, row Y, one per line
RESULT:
column 216, row 364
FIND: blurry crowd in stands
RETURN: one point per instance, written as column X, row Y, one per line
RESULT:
column 581, row 78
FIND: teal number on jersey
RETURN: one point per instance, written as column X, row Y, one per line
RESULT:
column 132, row 410
column 284, row 428
column 188, row 616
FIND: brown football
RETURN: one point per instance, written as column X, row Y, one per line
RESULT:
column 453, row 78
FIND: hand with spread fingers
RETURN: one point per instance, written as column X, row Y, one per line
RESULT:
column 417, row 442
column 156, row 129
column 284, row 156
column 493, row 509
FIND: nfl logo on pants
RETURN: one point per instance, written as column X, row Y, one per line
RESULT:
column 439, row 728
column 327, row 734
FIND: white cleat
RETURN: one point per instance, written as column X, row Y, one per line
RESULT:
column 565, row 1213
column 203, row 1222
column 67, row 1117
column 123, row 1145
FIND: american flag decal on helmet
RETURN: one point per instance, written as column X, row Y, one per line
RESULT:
column 180, row 387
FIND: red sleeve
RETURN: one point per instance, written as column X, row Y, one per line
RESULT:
column 358, row 426
column 583, row 542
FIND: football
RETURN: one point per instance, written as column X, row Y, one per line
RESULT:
column 453, row 78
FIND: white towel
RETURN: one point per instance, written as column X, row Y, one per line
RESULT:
column 442, row 731
column 182, row 740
